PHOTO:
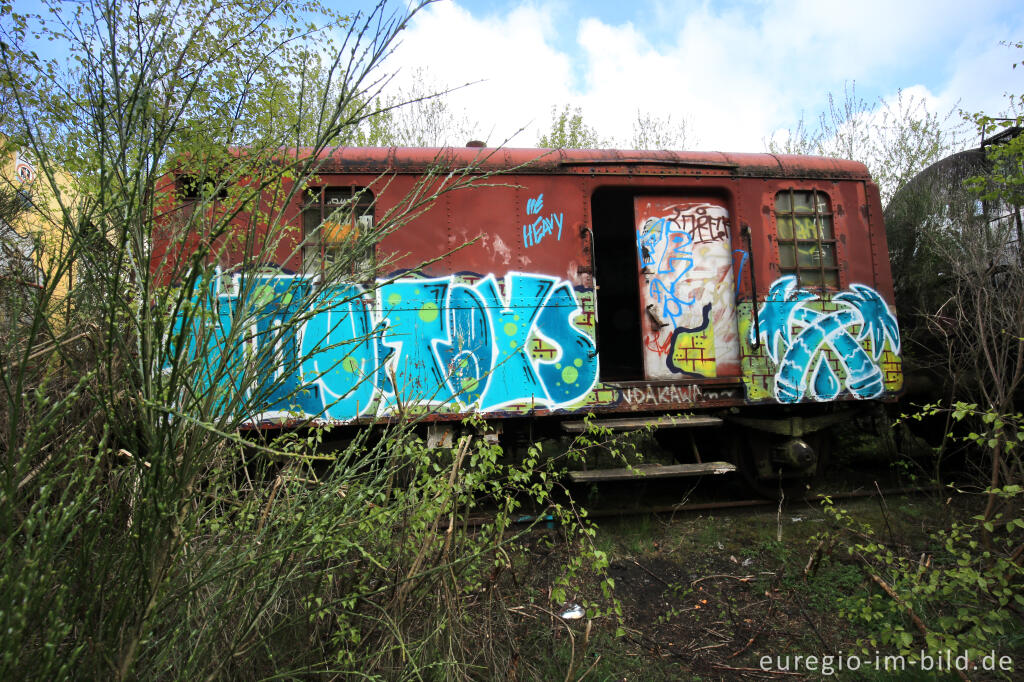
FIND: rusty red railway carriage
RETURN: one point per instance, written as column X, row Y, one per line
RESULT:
column 665, row 288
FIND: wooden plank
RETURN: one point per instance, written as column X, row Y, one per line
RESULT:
column 651, row 471
column 658, row 422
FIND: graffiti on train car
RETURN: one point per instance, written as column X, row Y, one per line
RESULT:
column 686, row 279
column 542, row 226
column 460, row 341
column 812, row 341
column 669, row 252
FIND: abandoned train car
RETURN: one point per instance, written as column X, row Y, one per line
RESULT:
column 673, row 289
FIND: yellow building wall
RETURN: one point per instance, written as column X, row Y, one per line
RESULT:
column 42, row 222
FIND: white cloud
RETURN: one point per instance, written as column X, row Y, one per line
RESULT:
column 516, row 72
column 736, row 73
column 983, row 76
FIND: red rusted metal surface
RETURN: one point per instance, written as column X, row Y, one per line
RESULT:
column 537, row 216
column 588, row 161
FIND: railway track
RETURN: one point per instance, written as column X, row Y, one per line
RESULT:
column 686, row 507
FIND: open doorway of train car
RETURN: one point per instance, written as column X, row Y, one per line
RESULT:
column 618, row 294
column 666, row 300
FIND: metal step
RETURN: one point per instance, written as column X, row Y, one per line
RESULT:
column 651, row 471
column 658, row 422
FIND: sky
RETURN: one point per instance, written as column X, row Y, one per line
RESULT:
column 736, row 72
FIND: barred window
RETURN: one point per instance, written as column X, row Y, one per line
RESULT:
column 333, row 218
column 806, row 236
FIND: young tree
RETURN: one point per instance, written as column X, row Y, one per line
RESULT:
column 568, row 131
column 119, row 429
column 985, row 259
column 651, row 131
column 141, row 534
column 896, row 140
column 418, row 115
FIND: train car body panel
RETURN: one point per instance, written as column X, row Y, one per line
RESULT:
column 592, row 281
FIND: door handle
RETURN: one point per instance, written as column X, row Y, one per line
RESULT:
column 745, row 230
column 658, row 323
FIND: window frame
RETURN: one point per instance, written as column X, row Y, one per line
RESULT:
column 826, row 273
column 319, row 207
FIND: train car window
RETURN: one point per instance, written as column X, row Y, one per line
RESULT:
column 333, row 219
column 192, row 188
column 807, row 240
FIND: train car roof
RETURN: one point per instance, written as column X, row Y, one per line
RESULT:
column 585, row 162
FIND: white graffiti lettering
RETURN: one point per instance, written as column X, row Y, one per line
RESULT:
column 657, row 395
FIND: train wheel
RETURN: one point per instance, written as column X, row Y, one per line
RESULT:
column 774, row 466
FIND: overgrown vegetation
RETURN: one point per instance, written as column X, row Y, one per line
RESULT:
column 144, row 535
column 650, row 131
column 960, row 283
column 896, row 140
column 953, row 596
column 958, row 589
column 955, row 242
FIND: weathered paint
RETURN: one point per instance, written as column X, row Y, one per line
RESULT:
column 443, row 341
column 588, row 162
column 687, row 292
column 523, row 343
column 446, row 342
column 820, row 347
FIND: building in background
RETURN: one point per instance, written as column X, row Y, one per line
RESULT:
column 33, row 237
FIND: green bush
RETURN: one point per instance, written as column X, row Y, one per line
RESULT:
column 147, row 533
